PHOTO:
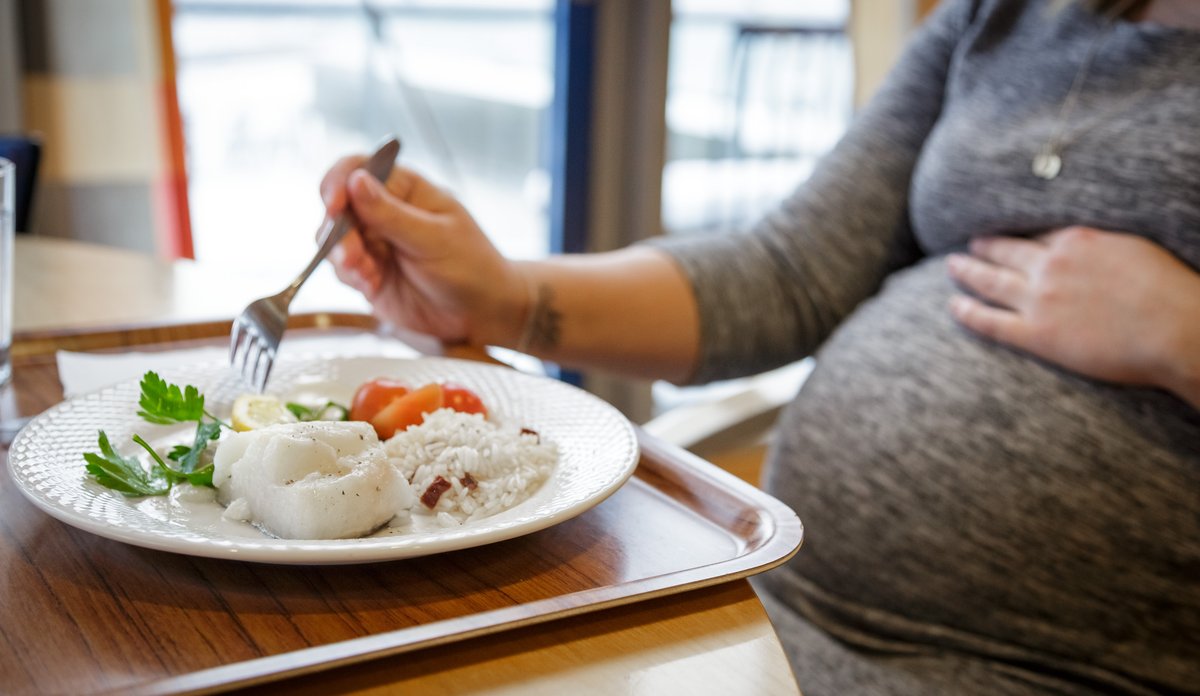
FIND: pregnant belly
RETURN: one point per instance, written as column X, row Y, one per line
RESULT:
column 952, row 487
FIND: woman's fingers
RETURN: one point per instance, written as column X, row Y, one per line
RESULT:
column 410, row 187
column 1010, row 252
column 333, row 184
column 412, row 230
column 354, row 279
column 355, row 266
column 998, row 284
column 1003, row 325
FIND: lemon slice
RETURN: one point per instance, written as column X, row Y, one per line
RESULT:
column 254, row 411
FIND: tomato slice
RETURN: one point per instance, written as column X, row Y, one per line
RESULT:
column 407, row 410
column 462, row 399
column 373, row 396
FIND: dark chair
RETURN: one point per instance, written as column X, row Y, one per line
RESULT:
column 25, row 153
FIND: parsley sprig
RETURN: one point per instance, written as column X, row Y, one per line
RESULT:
column 331, row 411
column 125, row 474
column 161, row 403
column 165, row 403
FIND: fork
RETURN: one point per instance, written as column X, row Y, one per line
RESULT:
column 256, row 333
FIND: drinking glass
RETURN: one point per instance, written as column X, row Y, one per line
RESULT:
column 8, row 174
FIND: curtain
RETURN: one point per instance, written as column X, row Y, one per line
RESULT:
column 98, row 86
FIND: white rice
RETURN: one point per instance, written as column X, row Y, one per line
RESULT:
column 507, row 465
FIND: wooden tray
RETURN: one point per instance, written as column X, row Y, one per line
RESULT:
column 82, row 614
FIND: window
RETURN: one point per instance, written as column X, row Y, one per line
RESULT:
column 756, row 93
column 273, row 91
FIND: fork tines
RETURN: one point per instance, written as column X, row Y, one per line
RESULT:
column 251, row 353
column 256, row 333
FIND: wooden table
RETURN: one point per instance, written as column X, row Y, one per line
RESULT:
column 711, row 640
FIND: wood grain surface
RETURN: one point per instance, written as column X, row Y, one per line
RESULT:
column 83, row 614
column 699, row 643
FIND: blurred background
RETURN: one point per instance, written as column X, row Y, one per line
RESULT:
column 199, row 129
column 272, row 92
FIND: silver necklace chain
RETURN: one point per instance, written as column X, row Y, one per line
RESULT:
column 1047, row 161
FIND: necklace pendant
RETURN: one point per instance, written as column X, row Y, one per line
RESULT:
column 1046, row 164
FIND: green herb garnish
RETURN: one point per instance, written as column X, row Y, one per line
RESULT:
column 198, row 477
column 161, row 403
column 331, row 411
column 164, row 403
column 189, row 457
column 125, row 474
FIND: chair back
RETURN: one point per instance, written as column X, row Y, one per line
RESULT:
column 25, row 153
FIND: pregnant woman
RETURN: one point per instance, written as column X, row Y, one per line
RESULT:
column 997, row 457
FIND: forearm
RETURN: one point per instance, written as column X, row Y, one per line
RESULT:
column 630, row 311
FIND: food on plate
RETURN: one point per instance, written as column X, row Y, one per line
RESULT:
column 163, row 403
column 318, row 480
column 391, row 406
column 372, row 395
column 463, row 467
column 463, row 400
column 160, row 403
column 303, row 472
column 256, row 411
column 407, row 410
column 329, row 411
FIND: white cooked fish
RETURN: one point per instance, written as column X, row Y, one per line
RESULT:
column 316, row 480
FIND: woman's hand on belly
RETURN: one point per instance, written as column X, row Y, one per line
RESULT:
column 1107, row 305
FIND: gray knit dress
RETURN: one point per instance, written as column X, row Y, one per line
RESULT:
column 978, row 521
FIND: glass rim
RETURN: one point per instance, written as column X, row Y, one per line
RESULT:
column 7, row 164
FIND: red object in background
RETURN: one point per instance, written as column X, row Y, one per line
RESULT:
column 174, row 221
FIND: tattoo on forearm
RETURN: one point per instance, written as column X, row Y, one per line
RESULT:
column 544, row 326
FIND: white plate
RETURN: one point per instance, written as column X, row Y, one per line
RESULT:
column 597, row 452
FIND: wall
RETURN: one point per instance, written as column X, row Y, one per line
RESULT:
column 879, row 29
column 92, row 89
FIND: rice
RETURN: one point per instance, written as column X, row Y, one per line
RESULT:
column 469, row 467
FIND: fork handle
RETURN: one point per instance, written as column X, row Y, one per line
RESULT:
column 332, row 231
